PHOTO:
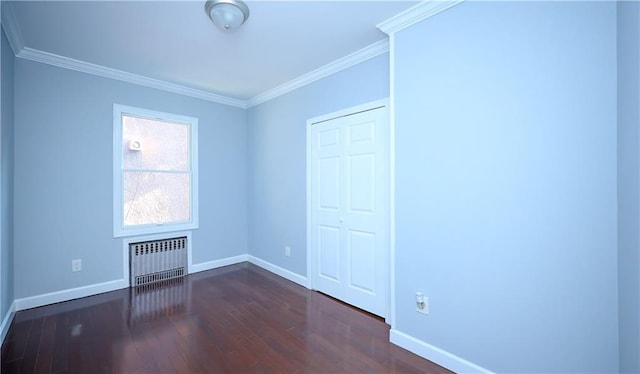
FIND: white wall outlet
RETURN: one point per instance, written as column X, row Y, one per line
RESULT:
column 287, row 251
column 76, row 265
column 422, row 303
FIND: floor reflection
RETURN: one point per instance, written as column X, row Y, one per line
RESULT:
column 151, row 301
column 236, row 319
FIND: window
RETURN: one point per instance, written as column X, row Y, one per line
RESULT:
column 155, row 172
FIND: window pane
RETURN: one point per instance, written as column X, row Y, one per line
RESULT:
column 154, row 144
column 156, row 198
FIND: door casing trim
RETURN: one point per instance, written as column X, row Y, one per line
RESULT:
column 390, row 156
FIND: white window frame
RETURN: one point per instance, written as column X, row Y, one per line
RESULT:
column 119, row 229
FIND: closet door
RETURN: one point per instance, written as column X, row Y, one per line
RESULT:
column 349, row 192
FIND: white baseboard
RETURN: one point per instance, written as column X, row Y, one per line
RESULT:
column 195, row 268
column 287, row 274
column 70, row 294
column 434, row 354
column 94, row 289
column 6, row 322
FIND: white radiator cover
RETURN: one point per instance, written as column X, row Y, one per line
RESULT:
column 158, row 260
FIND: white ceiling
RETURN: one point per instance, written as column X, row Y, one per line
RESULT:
column 175, row 42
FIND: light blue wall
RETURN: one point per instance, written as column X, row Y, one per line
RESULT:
column 63, row 176
column 629, row 184
column 6, row 202
column 277, row 157
column 506, row 184
column 506, row 181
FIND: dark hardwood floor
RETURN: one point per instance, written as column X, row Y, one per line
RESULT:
column 236, row 319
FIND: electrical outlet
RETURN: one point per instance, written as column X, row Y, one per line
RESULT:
column 422, row 303
column 76, row 265
column 287, row 251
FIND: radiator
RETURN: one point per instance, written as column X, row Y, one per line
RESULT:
column 158, row 260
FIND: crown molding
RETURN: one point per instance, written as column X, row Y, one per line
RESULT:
column 14, row 35
column 343, row 63
column 11, row 28
column 340, row 64
column 89, row 68
column 415, row 14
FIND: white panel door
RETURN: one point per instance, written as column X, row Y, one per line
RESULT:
column 349, row 208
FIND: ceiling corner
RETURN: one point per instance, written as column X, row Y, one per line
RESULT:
column 340, row 64
column 11, row 27
column 415, row 14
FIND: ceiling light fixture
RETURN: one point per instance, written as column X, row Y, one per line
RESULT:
column 228, row 15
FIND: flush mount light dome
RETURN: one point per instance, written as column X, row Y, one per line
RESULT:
column 228, row 15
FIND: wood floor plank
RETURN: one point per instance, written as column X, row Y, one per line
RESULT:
column 28, row 362
column 236, row 319
column 17, row 338
column 60, row 344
